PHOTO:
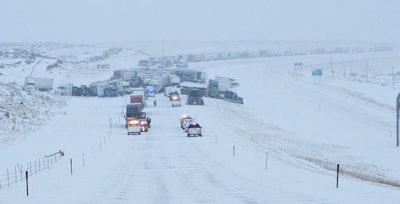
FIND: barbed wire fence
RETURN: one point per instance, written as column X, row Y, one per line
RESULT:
column 17, row 174
column 13, row 176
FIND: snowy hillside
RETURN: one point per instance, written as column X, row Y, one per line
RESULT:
column 281, row 146
column 64, row 62
column 22, row 111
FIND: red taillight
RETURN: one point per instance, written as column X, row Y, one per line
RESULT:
column 198, row 129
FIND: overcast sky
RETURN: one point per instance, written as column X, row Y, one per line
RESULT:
column 222, row 20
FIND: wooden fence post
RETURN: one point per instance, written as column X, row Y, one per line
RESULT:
column 70, row 161
column 337, row 176
column 27, row 189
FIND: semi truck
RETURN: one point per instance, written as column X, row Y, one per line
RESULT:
column 175, row 80
column 195, row 97
column 137, row 99
column 139, row 92
column 123, row 87
column 41, row 84
column 224, row 83
column 64, row 89
column 233, row 97
column 133, row 112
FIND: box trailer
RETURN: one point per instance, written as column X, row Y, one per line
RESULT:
column 41, row 84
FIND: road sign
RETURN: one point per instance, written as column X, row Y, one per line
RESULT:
column 298, row 64
column 317, row 72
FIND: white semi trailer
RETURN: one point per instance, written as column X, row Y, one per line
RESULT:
column 41, row 84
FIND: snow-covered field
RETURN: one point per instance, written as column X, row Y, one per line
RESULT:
column 281, row 146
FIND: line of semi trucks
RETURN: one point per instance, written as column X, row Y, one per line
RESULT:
column 156, row 81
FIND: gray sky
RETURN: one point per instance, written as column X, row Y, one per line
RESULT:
column 226, row 20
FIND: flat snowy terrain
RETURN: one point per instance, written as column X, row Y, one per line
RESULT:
column 282, row 146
